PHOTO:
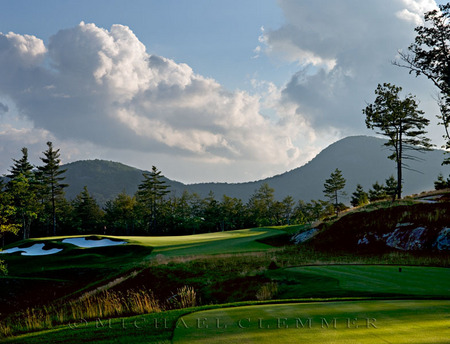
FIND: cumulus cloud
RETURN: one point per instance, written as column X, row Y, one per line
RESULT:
column 344, row 49
column 100, row 91
column 103, row 87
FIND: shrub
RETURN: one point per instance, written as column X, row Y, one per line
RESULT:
column 267, row 291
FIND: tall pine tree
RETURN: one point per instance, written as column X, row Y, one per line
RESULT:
column 401, row 122
column 150, row 195
column 333, row 188
column 51, row 176
column 21, row 189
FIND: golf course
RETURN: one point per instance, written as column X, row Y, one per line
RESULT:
column 251, row 286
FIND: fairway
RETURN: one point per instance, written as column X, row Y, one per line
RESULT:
column 415, row 322
column 368, row 279
column 244, row 240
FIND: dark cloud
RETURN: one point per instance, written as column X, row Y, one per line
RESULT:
column 345, row 49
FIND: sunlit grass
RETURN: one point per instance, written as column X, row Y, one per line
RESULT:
column 417, row 322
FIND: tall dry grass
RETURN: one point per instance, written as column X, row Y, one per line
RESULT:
column 105, row 304
column 267, row 291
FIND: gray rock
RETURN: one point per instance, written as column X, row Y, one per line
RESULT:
column 303, row 236
column 443, row 240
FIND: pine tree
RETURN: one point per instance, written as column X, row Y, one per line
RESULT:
column 333, row 188
column 121, row 212
column 87, row 214
column 391, row 188
column 260, row 205
column 359, row 197
column 401, row 122
column 21, row 190
column 150, row 195
column 378, row 192
column 441, row 183
column 429, row 55
column 51, row 176
column 21, row 166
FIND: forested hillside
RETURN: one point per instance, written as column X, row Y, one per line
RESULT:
column 362, row 160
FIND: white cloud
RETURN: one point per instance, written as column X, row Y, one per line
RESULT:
column 103, row 88
column 345, row 49
column 99, row 93
column 415, row 9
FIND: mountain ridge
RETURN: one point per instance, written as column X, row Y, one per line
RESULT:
column 362, row 160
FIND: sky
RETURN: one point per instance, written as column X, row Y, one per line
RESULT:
column 205, row 90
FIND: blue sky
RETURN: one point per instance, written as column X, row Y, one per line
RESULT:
column 205, row 90
column 204, row 34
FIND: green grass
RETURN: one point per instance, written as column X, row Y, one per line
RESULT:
column 227, row 267
column 137, row 250
column 366, row 280
column 355, row 322
column 244, row 240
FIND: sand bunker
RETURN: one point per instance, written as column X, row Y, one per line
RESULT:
column 86, row 243
column 35, row 250
column 38, row 249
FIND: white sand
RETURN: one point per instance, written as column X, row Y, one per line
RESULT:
column 83, row 242
column 35, row 250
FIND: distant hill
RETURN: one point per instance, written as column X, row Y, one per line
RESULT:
column 362, row 160
column 105, row 179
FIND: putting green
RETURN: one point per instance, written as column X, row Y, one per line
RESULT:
column 416, row 322
column 372, row 279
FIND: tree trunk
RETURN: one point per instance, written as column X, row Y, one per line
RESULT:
column 399, row 166
column 53, row 210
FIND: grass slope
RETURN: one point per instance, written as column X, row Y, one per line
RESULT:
column 362, row 280
column 331, row 322
column 238, row 241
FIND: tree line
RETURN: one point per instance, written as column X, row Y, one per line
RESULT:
column 32, row 203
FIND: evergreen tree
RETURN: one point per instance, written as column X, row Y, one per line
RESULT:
column 120, row 213
column 211, row 213
column 401, row 122
column 333, row 188
column 287, row 206
column 21, row 166
column 150, row 195
column 8, row 223
column 378, row 192
column 359, row 197
column 232, row 212
column 21, row 191
column 441, row 183
column 24, row 201
column 87, row 216
column 391, row 188
column 51, row 177
column 260, row 205
column 429, row 55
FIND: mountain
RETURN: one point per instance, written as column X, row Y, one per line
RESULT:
column 362, row 160
column 106, row 179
